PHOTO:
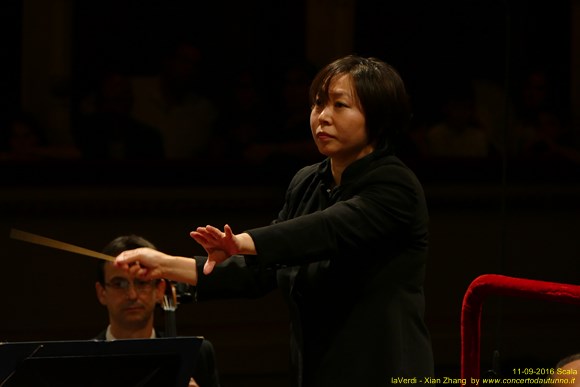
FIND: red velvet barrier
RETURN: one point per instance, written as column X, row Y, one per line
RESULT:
column 500, row 285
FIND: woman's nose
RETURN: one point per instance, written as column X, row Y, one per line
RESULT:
column 324, row 115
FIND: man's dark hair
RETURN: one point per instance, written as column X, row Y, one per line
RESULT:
column 568, row 359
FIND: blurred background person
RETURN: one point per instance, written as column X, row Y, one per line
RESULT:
column 175, row 102
column 110, row 132
column 23, row 138
column 458, row 133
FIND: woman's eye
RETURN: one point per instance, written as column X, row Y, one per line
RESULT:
column 339, row 104
column 318, row 105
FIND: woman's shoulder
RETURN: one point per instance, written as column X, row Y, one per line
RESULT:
column 390, row 169
column 375, row 164
column 312, row 170
column 307, row 179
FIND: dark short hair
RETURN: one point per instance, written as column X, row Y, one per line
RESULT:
column 117, row 246
column 380, row 90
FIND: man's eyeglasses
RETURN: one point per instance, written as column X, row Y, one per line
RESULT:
column 123, row 284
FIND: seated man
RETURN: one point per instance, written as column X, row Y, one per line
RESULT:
column 131, row 306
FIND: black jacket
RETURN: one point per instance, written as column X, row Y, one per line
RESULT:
column 351, row 262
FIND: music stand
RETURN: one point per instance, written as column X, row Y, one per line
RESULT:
column 160, row 362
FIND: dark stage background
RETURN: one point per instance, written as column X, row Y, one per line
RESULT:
column 503, row 213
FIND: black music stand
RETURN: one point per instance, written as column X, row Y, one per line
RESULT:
column 160, row 362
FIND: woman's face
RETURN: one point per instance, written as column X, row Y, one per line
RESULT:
column 338, row 125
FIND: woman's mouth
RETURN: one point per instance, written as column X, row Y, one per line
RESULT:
column 323, row 136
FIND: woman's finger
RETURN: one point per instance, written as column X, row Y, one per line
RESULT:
column 208, row 266
column 199, row 238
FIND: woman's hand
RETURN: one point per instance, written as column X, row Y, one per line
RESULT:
column 221, row 245
column 143, row 263
column 148, row 264
column 218, row 245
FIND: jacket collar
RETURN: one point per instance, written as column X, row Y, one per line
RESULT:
column 354, row 170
